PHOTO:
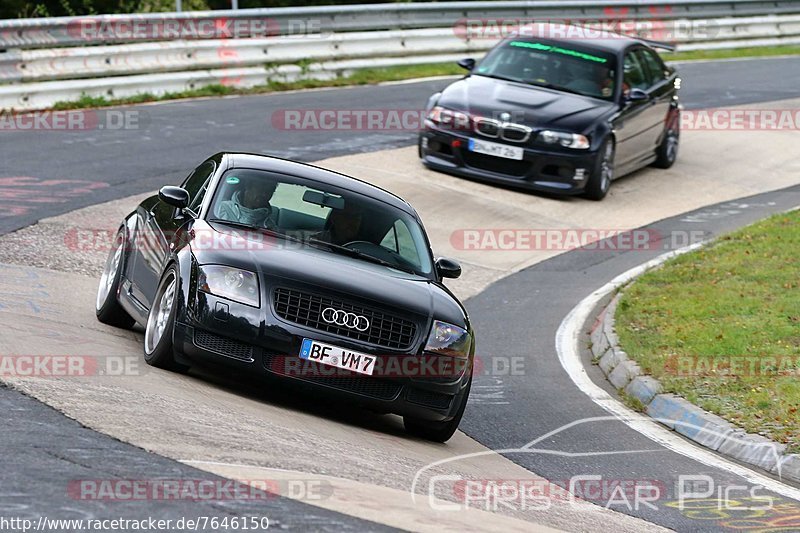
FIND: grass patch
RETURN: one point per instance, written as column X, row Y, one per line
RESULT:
column 360, row 77
column 764, row 51
column 721, row 327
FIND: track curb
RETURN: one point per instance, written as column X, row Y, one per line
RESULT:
column 678, row 414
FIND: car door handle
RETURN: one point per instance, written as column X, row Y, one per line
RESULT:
column 152, row 213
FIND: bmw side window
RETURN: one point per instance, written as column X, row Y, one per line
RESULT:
column 634, row 76
column 655, row 68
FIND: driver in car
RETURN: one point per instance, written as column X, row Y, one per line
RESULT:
column 342, row 227
column 250, row 205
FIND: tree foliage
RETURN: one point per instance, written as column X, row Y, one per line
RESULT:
column 60, row 8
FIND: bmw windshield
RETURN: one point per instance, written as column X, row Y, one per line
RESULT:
column 320, row 215
column 548, row 64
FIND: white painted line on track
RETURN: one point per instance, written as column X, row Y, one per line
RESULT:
column 568, row 347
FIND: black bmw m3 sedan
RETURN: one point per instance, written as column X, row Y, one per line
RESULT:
column 563, row 110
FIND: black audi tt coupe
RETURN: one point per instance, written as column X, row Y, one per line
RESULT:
column 285, row 269
column 562, row 115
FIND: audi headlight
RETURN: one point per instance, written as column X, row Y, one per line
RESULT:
column 447, row 117
column 569, row 140
column 231, row 283
column 447, row 339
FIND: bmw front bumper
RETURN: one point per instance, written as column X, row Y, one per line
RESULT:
column 540, row 170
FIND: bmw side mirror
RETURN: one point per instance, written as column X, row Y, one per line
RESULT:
column 637, row 95
column 174, row 196
column 447, row 268
column 467, row 63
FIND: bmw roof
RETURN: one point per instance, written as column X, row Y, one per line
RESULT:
column 581, row 36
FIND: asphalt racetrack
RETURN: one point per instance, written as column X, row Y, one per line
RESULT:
column 532, row 424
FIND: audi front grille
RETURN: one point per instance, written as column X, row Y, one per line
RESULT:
column 306, row 309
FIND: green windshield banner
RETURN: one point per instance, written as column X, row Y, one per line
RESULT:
column 558, row 50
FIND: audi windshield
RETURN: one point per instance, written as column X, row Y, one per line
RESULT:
column 320, row 215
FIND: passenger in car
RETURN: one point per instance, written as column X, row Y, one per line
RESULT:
column 251, row 205
column 342, row 226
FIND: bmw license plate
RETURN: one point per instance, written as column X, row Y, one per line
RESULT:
column 496, row 149
column 328, row 354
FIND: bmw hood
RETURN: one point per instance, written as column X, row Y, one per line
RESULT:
column 536, row 107
column 281, row 263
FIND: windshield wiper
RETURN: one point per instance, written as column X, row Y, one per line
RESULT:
column 555, row 87
column 261, row 229
column 498, row 77
column 337, row 248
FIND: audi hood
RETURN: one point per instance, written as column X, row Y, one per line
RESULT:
column 280, row 261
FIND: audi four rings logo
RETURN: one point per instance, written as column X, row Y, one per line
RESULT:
column 343, row 318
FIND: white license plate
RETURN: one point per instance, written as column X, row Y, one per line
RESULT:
column 343, row 358
column 496, row 149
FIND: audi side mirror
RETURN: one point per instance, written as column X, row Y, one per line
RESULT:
column 447, row 268
column 637, row 95
column 174, row 196
column 467, row 63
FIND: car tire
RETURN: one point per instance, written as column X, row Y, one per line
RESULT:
column 107, row 307
column 602, row 173
column 437, row 431
column 158, row 345
column 667, row 151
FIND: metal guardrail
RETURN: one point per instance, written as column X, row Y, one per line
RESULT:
column 65, row 31
column 41, row 64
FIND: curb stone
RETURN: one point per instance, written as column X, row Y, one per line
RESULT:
column 704, row 428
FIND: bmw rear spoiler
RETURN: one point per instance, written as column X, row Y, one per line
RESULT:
column 658, row 44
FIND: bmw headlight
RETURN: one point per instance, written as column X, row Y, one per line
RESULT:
column 568, row 140
column 231, row 283
column 447, row 117
column 447, row 339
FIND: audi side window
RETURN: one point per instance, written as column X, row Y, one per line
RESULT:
column 194, row 206
column 400, row 241
column 197, row 180
column 655, row 68
column 634, row 75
